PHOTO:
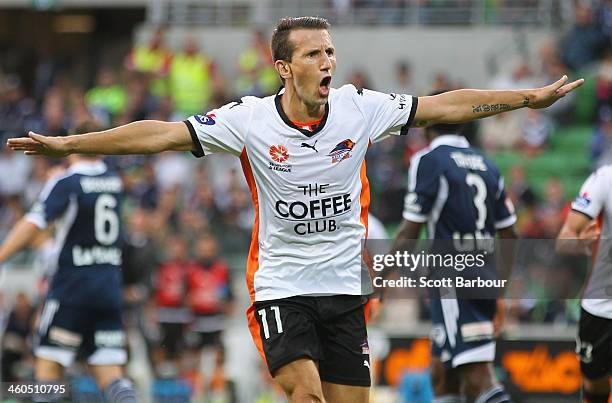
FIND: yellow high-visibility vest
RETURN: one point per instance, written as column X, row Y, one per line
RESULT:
column 149, row 60
column 190, row 83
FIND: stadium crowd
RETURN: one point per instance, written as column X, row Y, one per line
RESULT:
column 187, row 219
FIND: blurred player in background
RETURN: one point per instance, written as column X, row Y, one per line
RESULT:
column 209, row 298
column 303, row 154
column 82, row 309
column 172, row 312
column 587, row 230
column 460, row 195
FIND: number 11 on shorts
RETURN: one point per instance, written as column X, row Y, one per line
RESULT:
column 264, row 322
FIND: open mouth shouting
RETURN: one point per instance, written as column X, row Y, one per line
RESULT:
column 324, row 86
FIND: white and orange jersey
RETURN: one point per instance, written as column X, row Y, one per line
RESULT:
column 310, row 189
column 595, row 201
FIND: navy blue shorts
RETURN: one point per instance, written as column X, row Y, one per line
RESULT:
column 94, row 333
column 462, row 330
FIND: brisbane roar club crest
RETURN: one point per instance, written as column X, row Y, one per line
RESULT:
column 341, row 151
column 279, row 155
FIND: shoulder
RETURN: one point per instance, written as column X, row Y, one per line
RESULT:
column 601, row 178
column 425, row 156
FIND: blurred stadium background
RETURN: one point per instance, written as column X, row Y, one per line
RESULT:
column 65, row 61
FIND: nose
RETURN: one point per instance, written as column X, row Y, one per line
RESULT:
column 326, row 63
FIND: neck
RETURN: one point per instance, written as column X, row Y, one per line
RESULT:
column 297, row 110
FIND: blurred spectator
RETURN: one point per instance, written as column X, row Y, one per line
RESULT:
column 141, row 103
column 15, row 168
column 585, row 42
column 209, row 298
column 48, row 67
column 520, row 77
column 519, row 190
column 192, row 80
column 501, row 132
column 108, row 94
column 152, row 59
column 16, row 109
column 55, row 117
column 403, row 80
column 441, row 82
column 603, row 85
column 360, row 79
column 172, row 170
column 16, row 341
column 140, row 260
column 603, row 13
column 537, row 128
column 601, row 145
column 258, row 76
column 172, row 314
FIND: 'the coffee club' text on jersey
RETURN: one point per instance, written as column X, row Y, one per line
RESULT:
column 85, row 204
column 310, row 189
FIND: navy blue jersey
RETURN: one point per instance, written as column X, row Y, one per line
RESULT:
column 458, row 192
column 84, row 203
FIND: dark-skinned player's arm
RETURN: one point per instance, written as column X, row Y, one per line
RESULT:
column 20, row 237
column 142, row 137
column 466, row 104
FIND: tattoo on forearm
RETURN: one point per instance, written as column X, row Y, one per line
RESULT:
column 525, row 102
column 490, row 108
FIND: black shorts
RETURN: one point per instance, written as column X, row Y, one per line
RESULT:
column 594, row 345
column 172, row 341
column 198, row 340
column 330, row 330
column 67, row 330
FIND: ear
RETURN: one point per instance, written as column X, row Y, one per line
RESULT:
column 283, row 68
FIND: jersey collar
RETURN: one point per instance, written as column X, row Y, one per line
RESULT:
column 88, row 167
column 288, row 122
column 452, row 140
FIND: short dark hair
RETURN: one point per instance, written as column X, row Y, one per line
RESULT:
column 282, row 48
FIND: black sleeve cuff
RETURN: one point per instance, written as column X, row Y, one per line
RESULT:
column 406, row 127
column 196, row 148
column 584, row 214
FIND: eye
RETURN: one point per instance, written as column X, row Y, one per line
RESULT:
column 330, row 52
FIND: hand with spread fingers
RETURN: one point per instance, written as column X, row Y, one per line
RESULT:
column 36, row 144
column 545, row 96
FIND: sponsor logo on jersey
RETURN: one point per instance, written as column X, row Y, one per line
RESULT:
column 401, row 101
column 279, row 155
column 207, row 119
column 365, row 348
column 341, row 151
column 583, row 200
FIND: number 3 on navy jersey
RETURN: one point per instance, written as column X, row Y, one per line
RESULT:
column 479, row 198
column 106, row 220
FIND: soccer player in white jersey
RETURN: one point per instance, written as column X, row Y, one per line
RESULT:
column 303, row 156
column 588, row 230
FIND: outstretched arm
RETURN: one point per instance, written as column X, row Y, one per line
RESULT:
column 20, row 237
column 577, row 234
column 142, row 137
column 464, row 105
